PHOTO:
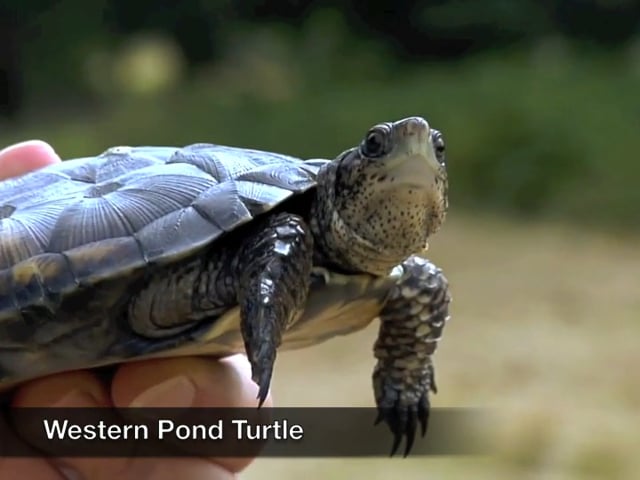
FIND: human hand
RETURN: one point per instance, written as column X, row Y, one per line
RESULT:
column 176, row 382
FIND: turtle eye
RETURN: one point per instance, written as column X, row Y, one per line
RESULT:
column 374, row 144
column 438, row 145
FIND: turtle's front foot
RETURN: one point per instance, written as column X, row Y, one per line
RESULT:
column 411, row 325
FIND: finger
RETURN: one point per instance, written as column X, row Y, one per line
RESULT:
column 217, row 383
column 72, row 389
column 189, row 381
column 79, row 389
column 23, row 157
column 159, row 469
column 23, row 468
column 199, row 381
column 83, row 389
column 19, row 468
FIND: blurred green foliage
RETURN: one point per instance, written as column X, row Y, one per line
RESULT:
column 544, row 131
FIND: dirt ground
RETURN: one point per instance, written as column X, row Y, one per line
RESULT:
column 544, row 329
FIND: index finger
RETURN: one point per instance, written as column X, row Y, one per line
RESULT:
column 224, row 383
column 23, row 157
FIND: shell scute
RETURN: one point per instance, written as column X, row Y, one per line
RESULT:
column 96, row 218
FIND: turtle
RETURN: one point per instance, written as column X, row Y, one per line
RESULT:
column 207, row 249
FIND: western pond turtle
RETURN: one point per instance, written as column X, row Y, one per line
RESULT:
column 208, row 249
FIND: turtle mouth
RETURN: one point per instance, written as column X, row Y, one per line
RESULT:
column 413, row 162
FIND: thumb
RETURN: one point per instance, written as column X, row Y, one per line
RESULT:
column 23, row 157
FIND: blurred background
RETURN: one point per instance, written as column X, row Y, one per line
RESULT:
column 539, row 102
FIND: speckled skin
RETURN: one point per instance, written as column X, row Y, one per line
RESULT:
column 370, row 216
column 367, row 216
column 323, row 263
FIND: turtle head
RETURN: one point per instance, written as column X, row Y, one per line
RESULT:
column 381, row 200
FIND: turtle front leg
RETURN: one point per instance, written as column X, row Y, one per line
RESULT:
column 412, row 321
column 275, row 270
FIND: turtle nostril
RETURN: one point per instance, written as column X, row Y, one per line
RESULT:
column 416, row 126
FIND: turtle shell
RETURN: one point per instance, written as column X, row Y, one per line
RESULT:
column 75, row 235
column 99, row 218
column 151, row 203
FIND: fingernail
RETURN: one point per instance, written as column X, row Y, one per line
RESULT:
column 173, row 393
column 76, row 398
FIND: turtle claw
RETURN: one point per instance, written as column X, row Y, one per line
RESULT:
column 423, row 415
column 262, row 378
column 403, row 421
column 261, row 350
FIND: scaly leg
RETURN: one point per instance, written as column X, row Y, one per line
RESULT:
column 274, row 275
column 411, row 325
